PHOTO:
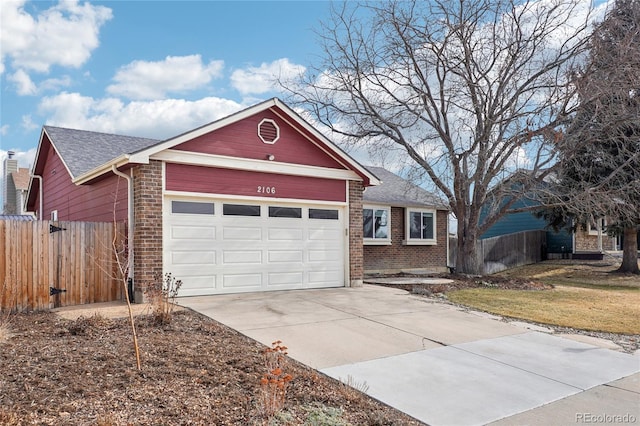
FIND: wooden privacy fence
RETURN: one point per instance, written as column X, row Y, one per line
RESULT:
column 38, row 256
column 507, row 251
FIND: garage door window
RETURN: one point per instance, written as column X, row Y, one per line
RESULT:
column 189, row 207
column 293, row 212
column 323, row 214
column 240, row 210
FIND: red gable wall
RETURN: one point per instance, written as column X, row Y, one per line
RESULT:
column 241, row 139
column 91, row 203
column 211, row 180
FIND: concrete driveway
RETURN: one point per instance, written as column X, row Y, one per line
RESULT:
column 436, row 362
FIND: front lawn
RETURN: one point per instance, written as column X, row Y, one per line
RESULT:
column 597, row 309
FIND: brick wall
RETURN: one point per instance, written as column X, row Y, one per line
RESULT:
column 396, row 257
column 586, row 242
column 147, row 248
column 355, row 234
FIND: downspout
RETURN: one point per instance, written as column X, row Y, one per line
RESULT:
column 41, row 195
column 130, row 214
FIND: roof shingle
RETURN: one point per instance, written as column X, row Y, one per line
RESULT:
column 84, row 151
column 398, row 192
column 21, row 178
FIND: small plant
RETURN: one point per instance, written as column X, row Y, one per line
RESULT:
column 84, row 326
column 162, row 295
column 273, row 383
column 351, row 388
column 5, row 319
column 322, row 415
column 8, row 418
column 5, row 333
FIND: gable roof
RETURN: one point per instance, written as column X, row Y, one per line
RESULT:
column 21, row 178
column 82, row 151
column 100, row 151
column 398, row 192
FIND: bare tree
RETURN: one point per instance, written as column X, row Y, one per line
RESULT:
column 599, row 173
column 468, row 93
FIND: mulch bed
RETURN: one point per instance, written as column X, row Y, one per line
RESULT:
column 461, row 281
column 195, row 371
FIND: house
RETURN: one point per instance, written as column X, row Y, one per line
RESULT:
column 558, row 243
column 405, row 228
column 15, row 182
column 585, row 242
column 256, row 201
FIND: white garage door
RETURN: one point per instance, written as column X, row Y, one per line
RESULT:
column 235, row 246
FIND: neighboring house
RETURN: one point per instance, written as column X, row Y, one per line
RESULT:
column 558, row 242
column 405, row 227
column 256, row 201
column 15, row 183
column 20, row 180
column 585, row 242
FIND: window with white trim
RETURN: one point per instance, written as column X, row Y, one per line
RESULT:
column 420, row 227
column 595, row 224
column 376, row 222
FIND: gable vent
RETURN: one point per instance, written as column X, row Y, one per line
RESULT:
column 268, row 131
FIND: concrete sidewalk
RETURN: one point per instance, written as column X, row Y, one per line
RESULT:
column 434, row 361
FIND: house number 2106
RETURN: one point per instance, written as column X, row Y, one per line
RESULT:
column 266, row 189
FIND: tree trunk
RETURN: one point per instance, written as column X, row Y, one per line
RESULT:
column 630, row 251
column 468, row 260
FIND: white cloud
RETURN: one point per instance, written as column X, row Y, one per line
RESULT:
column 143, row 80
column 23, row 83
column 159, row 119
column 28, row 124
column 262, row 79
column 64, row 34
column 4, row 129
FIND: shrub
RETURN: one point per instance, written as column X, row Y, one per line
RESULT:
column 162, row 294
column 273, row 383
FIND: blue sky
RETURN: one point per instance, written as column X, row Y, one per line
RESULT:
column 144, row 68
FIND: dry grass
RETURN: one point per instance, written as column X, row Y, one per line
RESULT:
column 608, row 310
column 5, row 333
column 578, row 273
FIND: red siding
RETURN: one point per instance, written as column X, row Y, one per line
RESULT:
column 241, row 140
column 211, row 180
column 91, row 203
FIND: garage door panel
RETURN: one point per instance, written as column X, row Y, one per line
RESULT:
column 285, row 234
column 285, row 279
column 242, row 280
column 324, row 256
column 324, row 234
column 193, row 233
column 231, row 257
column 233, row 233
column 193, row 258
column 197, row 285
column 325, row 278
column 285, row 256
